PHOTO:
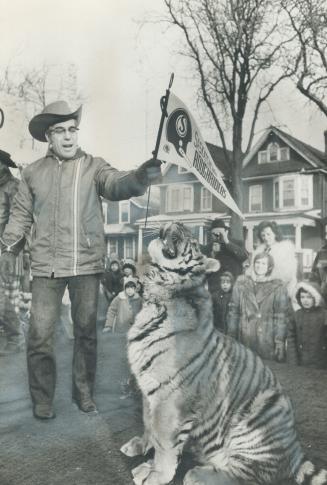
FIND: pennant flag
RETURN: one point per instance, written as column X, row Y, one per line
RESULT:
column 182, row 144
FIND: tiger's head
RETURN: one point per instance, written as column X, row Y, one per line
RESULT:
column 177, row 250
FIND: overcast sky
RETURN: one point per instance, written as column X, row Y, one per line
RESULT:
column 123, row 72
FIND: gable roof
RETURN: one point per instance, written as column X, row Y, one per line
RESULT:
column 316, row 158
column 218, row 156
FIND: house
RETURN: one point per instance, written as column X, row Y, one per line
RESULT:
column 285, row 180
column 121, row 232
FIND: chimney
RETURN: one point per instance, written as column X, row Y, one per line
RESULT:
column 325, row 136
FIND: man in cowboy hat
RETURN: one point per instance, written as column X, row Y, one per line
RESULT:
column 230, row 254
column 9, row 290
column 59, row 197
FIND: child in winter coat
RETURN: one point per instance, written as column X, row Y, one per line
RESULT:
column 113, row 280
column 259, row 309
column 121, row 315
column 123, row 308
column 221, row 301
column 307, row 331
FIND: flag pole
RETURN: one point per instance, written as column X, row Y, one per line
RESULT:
column 163, row 105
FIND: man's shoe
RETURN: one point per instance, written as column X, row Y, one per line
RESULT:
column 43, row 411
column 87, row 405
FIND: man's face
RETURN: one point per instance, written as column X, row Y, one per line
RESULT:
column 63, row 138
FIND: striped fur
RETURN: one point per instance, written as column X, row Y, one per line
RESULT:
column 202, row 387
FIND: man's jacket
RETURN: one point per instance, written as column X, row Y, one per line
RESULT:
column 61, row 202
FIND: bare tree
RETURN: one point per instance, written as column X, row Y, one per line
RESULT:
column 308, row 20
column 234, row 46
column 28, row 91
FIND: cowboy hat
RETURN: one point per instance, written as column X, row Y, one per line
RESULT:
column 52, row 113
column 6, row 159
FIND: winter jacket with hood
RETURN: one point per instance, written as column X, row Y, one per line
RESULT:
column 122, row 312
column 61, row 202
column 221, row 304
column 113, row 281
column 258, row 314
column 307, row 331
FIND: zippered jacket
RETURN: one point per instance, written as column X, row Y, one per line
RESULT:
column 60, row 201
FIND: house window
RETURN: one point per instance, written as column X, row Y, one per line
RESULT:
column 274, row 153
column 206, row 199
column 180, row 198
column 124, row 211
column 129, row 248
column 112, row 247
column 288, row 193
column 255, row 198
column 276, row 194
column 293, row 192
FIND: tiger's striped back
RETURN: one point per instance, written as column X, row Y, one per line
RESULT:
column 218, row 394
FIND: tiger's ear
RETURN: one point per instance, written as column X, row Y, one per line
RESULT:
column 212, row 265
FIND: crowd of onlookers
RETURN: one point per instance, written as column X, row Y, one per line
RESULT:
column 256, row 300
column 263, row 305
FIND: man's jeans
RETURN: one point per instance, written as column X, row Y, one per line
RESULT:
column 47, row 295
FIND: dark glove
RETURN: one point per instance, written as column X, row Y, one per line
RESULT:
column 7, row 267
column 149, row 171
column 280, row 351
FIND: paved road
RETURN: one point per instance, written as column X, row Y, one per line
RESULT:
column 75, row 449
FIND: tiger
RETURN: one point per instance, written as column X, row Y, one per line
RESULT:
column 202, row 388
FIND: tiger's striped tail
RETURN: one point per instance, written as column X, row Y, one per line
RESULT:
column 309, row 474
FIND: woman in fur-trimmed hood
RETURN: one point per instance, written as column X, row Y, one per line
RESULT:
column 307, row 331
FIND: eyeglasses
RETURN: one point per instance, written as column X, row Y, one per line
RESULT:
column 61, row 131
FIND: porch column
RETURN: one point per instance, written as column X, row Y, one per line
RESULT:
column 298, row 237
column 249, row 238
column 140, row 245
column 201, row 238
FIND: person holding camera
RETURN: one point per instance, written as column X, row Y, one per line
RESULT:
column 230, row 254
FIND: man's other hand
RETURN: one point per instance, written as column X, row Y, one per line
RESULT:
column 7, row 267
column 149, row 171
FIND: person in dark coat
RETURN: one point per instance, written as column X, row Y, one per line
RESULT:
column 230, row 254
column 112, row 280
column 221, row 301
column 307, row 330
column 258, row 310
column 8, row 315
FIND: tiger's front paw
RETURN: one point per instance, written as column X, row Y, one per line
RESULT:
column 134, row 447
column 141, row 473
column 145, row 474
